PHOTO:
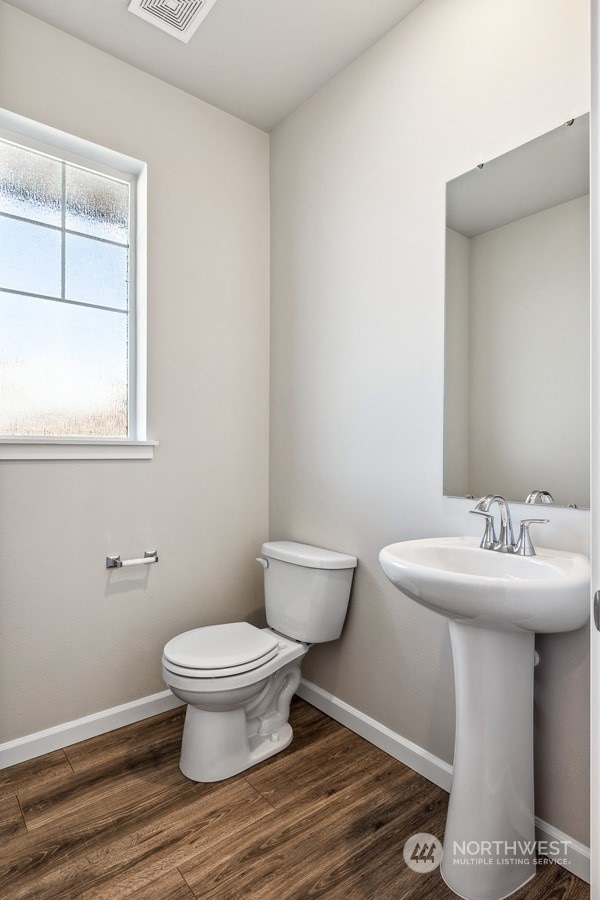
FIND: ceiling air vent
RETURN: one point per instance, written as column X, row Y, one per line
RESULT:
column 179, row 18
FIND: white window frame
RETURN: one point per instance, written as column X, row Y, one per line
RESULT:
column 36, row 136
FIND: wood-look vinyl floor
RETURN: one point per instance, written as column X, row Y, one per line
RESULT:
column 113, row 817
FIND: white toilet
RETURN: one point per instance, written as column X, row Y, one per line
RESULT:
column 238, row 680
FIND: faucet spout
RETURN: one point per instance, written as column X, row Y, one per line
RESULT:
column 539, row 497
column 506, row 540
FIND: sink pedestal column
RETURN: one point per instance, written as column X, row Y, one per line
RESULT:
column 489, row 840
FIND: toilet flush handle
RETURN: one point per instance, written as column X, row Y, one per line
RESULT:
column 264, row 562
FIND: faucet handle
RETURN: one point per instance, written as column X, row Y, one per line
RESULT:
column 524, row 547
column 489, row 539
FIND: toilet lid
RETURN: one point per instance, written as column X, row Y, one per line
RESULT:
column 218, row 673
column 218, row 647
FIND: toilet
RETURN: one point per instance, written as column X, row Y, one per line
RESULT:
column 238, row 680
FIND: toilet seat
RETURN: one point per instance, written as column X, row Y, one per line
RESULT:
column 204, row 681
column 217, row 651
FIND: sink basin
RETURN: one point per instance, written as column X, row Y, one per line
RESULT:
column 494, row 603
column 548, row 592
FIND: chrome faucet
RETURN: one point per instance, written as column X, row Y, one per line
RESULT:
column 539, row 497
column 505, row 543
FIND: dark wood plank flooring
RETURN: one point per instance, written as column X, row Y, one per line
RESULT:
column 113, row 817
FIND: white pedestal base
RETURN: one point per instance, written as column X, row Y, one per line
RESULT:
column 489, row 847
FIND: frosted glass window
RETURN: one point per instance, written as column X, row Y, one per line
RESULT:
column 31, row 184
column 96, row 272
column 65, row 342
column 97, row 205
column 30, row 257
column 63, row 369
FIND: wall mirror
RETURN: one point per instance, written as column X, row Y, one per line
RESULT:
column 517, row 363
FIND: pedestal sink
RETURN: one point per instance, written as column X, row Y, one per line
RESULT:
column 495, row 602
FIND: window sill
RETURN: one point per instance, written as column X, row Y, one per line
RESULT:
column 74, row 448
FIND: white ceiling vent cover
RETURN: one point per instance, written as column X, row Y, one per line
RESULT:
column 179, row 18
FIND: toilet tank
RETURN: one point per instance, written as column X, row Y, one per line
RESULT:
column 306, row 590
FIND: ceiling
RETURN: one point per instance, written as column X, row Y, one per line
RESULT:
column 554, row 168
column 257, row 59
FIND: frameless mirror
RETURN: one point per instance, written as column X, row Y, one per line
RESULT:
column 517, row 366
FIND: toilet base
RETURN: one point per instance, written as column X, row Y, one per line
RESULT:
column 220, row 741
column 198, row 766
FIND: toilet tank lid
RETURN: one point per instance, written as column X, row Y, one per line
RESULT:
column 306, row 555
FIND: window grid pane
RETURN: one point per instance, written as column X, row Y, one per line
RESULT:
column 30, row 257
column 96, row 205
column 31, row 184
column 53, row 275
column 64, row 370
column 95, row 272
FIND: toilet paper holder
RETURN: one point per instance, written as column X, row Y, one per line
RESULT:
column 115, row 562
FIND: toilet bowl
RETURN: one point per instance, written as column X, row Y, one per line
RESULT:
column 234, row 721
column 239, row 680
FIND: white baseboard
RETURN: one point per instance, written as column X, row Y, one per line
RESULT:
column 32, row 745
column 578, row 855
column 431, row 767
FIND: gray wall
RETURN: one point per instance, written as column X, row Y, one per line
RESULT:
column 358, row 231
column 73, row 640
